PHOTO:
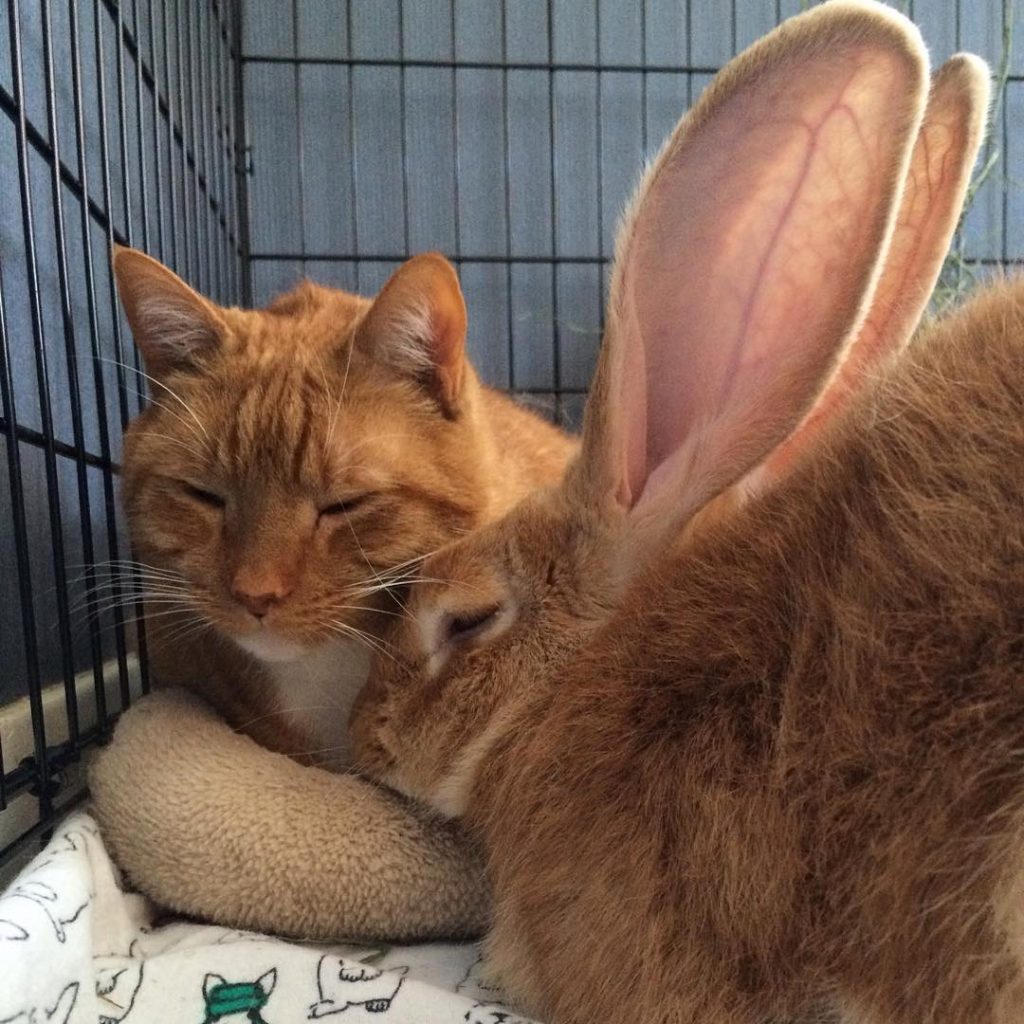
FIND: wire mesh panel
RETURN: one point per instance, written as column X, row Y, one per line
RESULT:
column 117, row 124
column 505, row 133
column 508, row 134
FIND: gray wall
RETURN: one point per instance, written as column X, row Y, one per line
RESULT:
column 381, row 128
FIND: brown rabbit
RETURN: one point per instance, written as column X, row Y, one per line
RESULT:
column 771, row 768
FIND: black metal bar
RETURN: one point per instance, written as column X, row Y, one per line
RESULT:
column 299, row 134
column 509, row 321
column 353, row 155
column 186, row 99
column 19, row 526
column 34, row 437
column 198, row 94
column 643, row 78
column 224, row 160
column 122, row 384
column 689, row 53
column 122, row 132
column 96, row 352
column 455, row 140
column 161, row 243
column 172, row 181
column 556, row 327
column 208, row 131
column 482, row 65
column 216, row 115
column 204, row 58
column 45, row 417
column 240, row 154
column 71, row 355
column 187, row 270
column 599, row 144
column 201, row 277
column 122, row 665
column 1002, row 109
column 395, row 257
column 143, row 180
column 59, row 757
column 403, row 123
column 41, row 830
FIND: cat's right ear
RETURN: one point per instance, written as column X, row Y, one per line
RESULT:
column 417, row 325
column 173, row 325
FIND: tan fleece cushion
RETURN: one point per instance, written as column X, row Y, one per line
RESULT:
column 210, row 824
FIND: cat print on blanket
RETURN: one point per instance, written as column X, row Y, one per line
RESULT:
column 488, row 1013
column 225, row 998
column 11, row 931
column 44, row 896
column 117, row 985
column 48, row 900
column 38, row 1015
column 476, row 984
column 342, row 985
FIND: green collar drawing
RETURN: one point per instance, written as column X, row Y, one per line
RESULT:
column 225, row 999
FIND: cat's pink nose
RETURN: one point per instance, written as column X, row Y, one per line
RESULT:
column 258, row 596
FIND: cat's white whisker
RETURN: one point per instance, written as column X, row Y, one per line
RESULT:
column 120, row 588
column 188, row 630
column 360, row 608
column 190, row 448
column 366, row 559
column 284, row 713
column 374, row 643
column 126, row 564
column 174, row 394
column 129, row 620
column 203, row 439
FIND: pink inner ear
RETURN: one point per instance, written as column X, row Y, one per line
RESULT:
column 944, row 152
column 747, row 265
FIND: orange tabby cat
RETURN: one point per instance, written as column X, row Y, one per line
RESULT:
column 294, row 465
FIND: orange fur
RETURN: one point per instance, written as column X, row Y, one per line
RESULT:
column 771, row 769
column 792, row 764
column 281, row 412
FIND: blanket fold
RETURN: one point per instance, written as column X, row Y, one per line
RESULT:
column 77, row 947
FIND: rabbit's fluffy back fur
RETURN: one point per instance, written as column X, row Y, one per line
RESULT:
column 796, row 755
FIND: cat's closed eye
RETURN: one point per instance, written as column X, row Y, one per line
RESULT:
column 203, row 496
column 345, row 506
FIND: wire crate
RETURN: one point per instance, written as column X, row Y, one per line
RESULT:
column 250, row 143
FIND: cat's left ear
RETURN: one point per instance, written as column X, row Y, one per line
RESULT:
column 173, row 325
column 417, row 324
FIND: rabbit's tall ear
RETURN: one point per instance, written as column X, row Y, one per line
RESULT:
column 173, row 325
column 937, row 182
column 748, row 257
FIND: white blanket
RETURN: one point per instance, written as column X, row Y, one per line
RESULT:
column 76, row 948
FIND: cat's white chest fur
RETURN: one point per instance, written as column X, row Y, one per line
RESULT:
column 314, row 696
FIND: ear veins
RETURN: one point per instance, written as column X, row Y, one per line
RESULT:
column 936, row 183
